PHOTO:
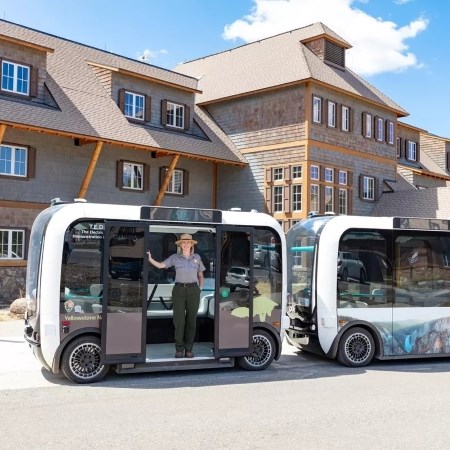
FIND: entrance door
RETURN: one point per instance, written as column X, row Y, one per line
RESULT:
column 234, row 292
column 124, row 310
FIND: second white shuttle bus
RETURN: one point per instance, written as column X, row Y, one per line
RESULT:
column 365, row 287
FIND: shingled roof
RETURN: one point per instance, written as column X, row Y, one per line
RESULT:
column 276, row 61
column 86, row 108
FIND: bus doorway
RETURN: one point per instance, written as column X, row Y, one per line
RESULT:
column 235, row 284
column 124, row 309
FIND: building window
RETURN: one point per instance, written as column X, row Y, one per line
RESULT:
column 13, row 161
column 134, row 105
column 314, row 200
column 342, row 201
column 367, row 125
column 175, row 115
column 133, row 176
column 297, row 197
column 175, row 185
column 277, row 198
column 12, row 244
column 329, row 175
column 296, row 172
column 315, row 172
column 342, row 177
column 317, row 109
column 412, row 151
column 390, row 132
column 379, row 124
column 345, row 118
column 331, row 114
column 399, row 147
column 368, row 188
column 278, row 174
column 15, row 78
column 329, row 207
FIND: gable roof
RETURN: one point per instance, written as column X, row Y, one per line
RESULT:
column 86, row 109
column 276, row 61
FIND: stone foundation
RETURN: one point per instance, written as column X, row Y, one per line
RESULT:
column 12, row 284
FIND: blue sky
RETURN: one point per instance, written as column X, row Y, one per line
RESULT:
column 400, row 46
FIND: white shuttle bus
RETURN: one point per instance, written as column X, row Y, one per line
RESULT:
column 94, row 302
column 365, row 287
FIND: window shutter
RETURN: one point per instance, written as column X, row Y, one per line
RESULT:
column 386, row 130
column 364, row 124
column 322, row 173
column 187, row 117
column 336, row 200
column 361, row 187
column 321, row 199
column 122, row 100
column 350, row 119
column 146, row 186
column 269, row 200
column 26, row 243
column 406, row 148
column 1, row 67
column 164, row 112
column 287, row 173
column 287, row 199
column 33, row 81
column 148, row 108
column 336, row 176
column 268, row 175
column 119, row 174
column 350, row 201
column 375, row 189
column 398, row 149
column 31, row 162
column 185, row 182
column 417, row 151
column 337, row 116
column 447, row 168
column 375, row 127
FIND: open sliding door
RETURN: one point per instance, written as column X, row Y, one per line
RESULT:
column 234, row 292
column 124, row 310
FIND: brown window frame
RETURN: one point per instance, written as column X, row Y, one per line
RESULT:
column 119, row 176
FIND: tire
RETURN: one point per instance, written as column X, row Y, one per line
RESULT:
column 81, row 360
column 356, row 348
column 263, row 352
column 362, row 276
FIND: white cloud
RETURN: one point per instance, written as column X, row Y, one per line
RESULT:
column 401, row 2
column 150, row 54
column 378, row 45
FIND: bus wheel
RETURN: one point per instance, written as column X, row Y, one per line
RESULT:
column 263, row 352
column 356, row 348
column 81, row 360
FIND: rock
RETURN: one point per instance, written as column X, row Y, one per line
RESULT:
column 18, row 306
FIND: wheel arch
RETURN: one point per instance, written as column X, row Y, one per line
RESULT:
column 91, row 331
column 274, row 333
column 332, row 353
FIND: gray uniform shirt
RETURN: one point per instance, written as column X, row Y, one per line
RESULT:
column 186, row 268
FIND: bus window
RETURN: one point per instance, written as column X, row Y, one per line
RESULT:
column 267, row 264
column 422, row 272
column 363, row 270
column 81, row 284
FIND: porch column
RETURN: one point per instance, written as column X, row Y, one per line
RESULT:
column 166, row 180
column 90, row 169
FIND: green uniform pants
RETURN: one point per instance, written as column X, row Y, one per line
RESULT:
column 185, row 306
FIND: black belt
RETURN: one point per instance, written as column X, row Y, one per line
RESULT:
column 185, row 284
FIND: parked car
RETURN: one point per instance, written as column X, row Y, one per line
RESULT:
column 126, row 269
column 238, row 277
column 349, row 266
column 266, row 258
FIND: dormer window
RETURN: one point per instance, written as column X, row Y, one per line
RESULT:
column 15, row 78
column 134, row 105
column 175, row 115
column 334, row 54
